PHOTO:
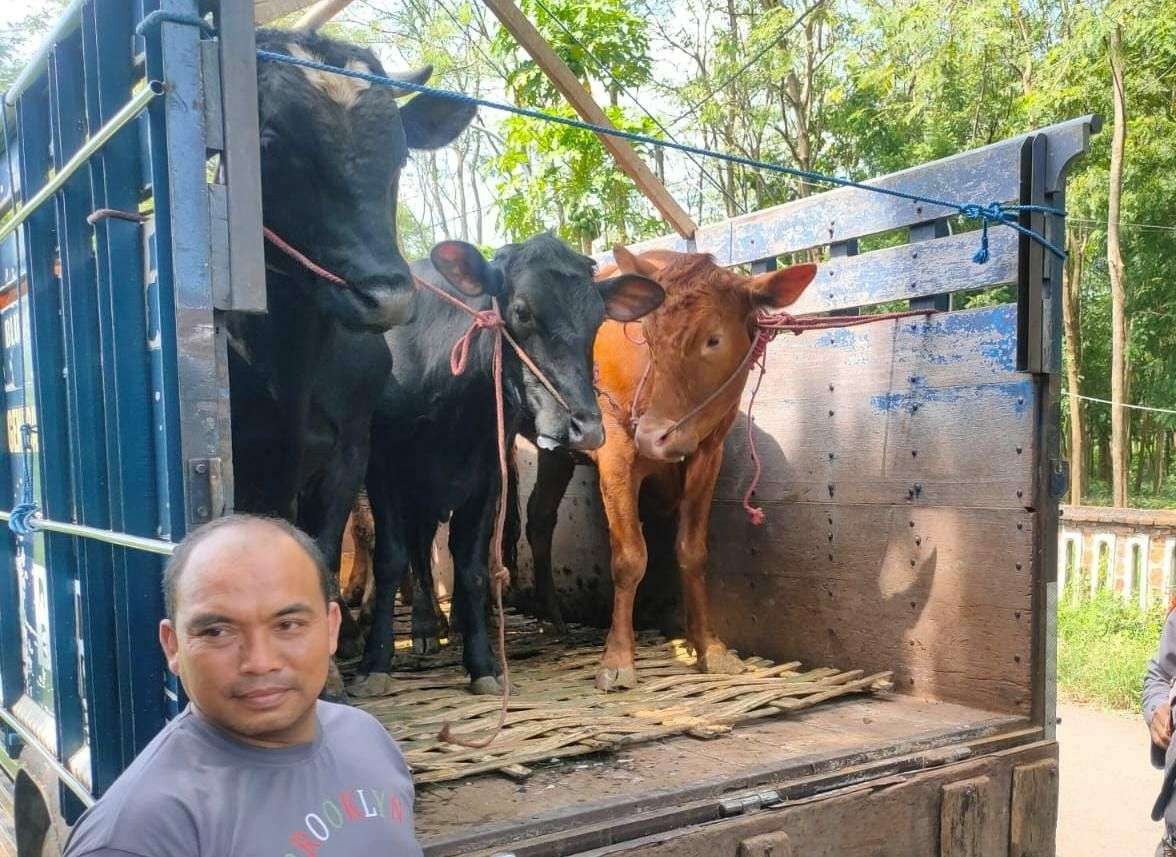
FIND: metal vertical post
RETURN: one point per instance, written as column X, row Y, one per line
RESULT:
column 85, row 410
column 195, row 377
column 51, row 424
column 117, row 176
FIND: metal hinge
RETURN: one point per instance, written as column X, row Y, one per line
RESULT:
column 206, row 496
column 749, row 803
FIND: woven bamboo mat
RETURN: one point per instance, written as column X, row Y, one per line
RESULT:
column 557, row 712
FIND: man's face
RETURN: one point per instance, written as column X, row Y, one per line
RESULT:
column 252, row 634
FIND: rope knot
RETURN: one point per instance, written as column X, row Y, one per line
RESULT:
column 486, row 319
column 994, row 212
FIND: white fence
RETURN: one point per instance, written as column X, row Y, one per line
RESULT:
column 1131, row 552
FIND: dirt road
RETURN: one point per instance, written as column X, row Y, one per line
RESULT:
column 1107, row 785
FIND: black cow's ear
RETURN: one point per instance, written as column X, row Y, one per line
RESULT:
column 467, row 269
column 431, row 122
column 627, row 297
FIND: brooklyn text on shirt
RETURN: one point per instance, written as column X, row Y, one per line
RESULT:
column 354, row 806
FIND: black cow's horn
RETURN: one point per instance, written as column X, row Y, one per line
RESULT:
column 417, row 76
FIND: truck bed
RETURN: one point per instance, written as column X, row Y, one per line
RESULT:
column 589, row 800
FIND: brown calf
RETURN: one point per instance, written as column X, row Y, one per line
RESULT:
column 692, row 345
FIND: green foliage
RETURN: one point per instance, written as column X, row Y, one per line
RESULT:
column 552, row 176
column 18, row 37
column 1103, row 648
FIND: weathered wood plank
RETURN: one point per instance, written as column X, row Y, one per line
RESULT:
column 910, row 271
column 926, row 412
column 1034, row 809
column 981, row 175
column 898, row 820
column 767, row 845
column 962, row 818
column 910, row 588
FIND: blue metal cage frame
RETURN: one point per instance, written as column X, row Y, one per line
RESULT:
column 115, row 361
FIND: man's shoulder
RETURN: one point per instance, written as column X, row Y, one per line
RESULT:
column 147, row 804
column 343, row 720
column 347, row 728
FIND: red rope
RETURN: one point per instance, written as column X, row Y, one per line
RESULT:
column 767, row 327
column 491, row 320
column 301, row 259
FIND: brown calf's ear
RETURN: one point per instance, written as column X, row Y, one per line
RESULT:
column 627, row 297
column 778, row 289
column 629, row 262
column 466, row 268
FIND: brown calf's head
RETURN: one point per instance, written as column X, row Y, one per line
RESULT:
column 698, row 340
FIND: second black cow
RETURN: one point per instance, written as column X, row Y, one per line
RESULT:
column 434, row 439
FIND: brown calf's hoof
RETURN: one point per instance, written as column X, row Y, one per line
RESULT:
column 425, row 645
column 373, row 684
column 487, row 685
column 618, row 678
column 720, row 659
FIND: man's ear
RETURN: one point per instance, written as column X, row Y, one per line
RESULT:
column 628, row 297
column 778, row 289
column 169, row 641
column 462, row 265
column 334, row 620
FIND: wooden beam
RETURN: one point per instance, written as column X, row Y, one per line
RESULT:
column 267, row 11
column 320, row 13
column 581, row 99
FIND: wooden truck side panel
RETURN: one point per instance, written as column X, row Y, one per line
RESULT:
column 1002, row 804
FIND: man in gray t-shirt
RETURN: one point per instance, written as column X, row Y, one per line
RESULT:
column 256, row 766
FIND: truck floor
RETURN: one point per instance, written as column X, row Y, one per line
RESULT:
column 481, row 812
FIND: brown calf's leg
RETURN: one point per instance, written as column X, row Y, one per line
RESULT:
column 702, row 469
column 619, row 485
column 363, row 537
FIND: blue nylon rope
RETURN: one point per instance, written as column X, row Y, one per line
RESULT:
column 995, row 213
column 156, row 18
column 21, row 520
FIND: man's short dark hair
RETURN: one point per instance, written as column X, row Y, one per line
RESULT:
column 180, row 556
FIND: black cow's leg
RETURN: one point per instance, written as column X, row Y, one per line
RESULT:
column 469, row 542
column 554, row 472
column 389, row 563
column 323, row 510
column 426, row 633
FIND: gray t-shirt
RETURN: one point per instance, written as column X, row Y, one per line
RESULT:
column 195, row 791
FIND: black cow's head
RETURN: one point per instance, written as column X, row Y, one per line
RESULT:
column 552, row 308
column 331, row 152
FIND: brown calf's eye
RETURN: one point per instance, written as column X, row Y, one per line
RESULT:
column 713, row 342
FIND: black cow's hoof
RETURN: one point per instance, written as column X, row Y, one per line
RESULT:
column 373, row 684
column 487, row 685
column 426, row 645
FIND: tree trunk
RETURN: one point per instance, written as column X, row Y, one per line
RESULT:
column 463, row 214
column 1119, row 471
column 1072, row 343
column 1143, row 455
column 475, row 192
column 435, row 190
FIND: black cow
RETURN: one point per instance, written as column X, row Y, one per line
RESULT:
column 305, row 374
column 434, row 439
